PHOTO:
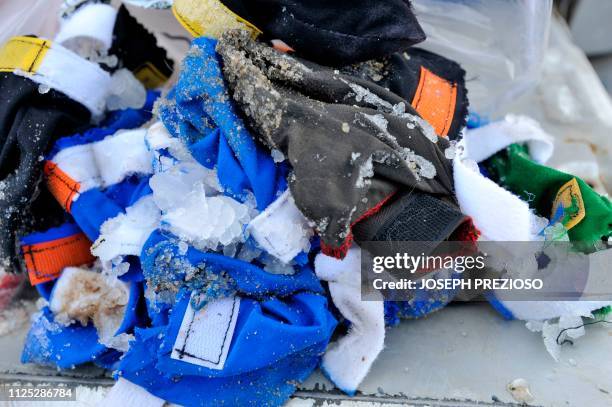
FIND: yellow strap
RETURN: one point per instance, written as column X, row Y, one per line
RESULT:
column 23, row 54
column 209, row 18
column 150, row 76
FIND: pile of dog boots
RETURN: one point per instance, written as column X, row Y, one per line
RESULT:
column 200, row 236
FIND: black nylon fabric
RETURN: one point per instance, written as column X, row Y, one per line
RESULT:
column 134, row 45
column 335, row 32
column 330, row 126
column 411, row 217
column 29, row 123
column 400, row 74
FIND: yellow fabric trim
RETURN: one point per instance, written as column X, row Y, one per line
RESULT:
column 150, row 76
column 209, row 18
column 23, row 54
column 567, row 195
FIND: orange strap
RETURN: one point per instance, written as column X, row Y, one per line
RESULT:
column 45, row 261
column 435, row 100
column 61, row 185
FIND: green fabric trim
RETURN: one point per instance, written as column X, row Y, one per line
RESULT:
column 538, row 185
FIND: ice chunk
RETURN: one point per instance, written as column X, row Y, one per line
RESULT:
column 282, row 230
column 278, row 156
column 158, row 138
column 366, row 172
column 519, row 389
column 125, row 91
column 205, row 221
column 194, row 209
column 173, row 185
column 126, row 233
column 43, row 89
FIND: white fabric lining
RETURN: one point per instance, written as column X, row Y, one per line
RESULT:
column 496, row 212
column 483, row 142
column 106, row 162
column 281, row 229
column 79, row 79
column 95, row 21
column 126, row 393
column 348, row 360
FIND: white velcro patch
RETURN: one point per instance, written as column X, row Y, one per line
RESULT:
column 206, row 334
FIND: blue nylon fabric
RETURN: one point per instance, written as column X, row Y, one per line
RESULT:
column 94, row 207
column 61, row 231
column 249, row 278
column 281, row 327
column 289, row 336
column 52, row 344
column 424, row 302
column 198, row 111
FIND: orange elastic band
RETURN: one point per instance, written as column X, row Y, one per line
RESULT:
column 45, row 261
column 435, row 99
column 61, row 185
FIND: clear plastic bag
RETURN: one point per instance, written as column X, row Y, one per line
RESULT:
column 500, row 43
column 28, row 17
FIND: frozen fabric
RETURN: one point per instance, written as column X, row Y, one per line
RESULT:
column 97, row 174
column 66, row 345
column 347, row 360
column 25, row 111
column 55, row 67
column 518, row 223
column 165, row 265
column 478, row 195
column 289, row 334
column 137, row 50
column 94, row 20
column 199, row 111
column 327, row 32
column 281, row 230
column 350, row 143
column 432, row 84
column 483, row 142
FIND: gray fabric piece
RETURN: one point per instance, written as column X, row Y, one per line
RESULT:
column 350, row 142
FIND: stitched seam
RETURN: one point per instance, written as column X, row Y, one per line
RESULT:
column 30, row 250
column 42, row 46
column 420, row 88
column 73, row 188
column 449, row 114
column 72, row 240
column 37, row 56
